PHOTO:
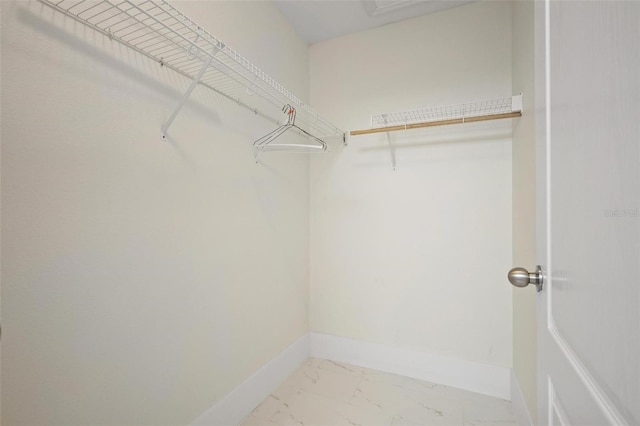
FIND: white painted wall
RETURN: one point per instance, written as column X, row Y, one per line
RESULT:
column 524, row 200
column 142, row 281
column 416, row 258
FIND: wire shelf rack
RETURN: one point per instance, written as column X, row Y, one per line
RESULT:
column 492, row 109
column 158, row 30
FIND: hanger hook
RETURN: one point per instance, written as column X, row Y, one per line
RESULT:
column 291, row 114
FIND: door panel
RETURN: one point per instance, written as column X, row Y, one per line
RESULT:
column 589, row 312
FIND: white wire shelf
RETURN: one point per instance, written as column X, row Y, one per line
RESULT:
column 492, row 109
column 156, row 29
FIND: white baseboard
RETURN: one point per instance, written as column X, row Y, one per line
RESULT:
column 473, row 376
column 519, row 404
column 239, row 403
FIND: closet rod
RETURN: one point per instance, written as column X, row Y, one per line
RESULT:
column 436, row 123
column 492, row 109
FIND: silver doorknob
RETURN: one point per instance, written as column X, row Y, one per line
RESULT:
column 520, row 277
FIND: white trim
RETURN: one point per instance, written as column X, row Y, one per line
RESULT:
column 519, row 403
column 555, row 407
column 238, row 404
column 473, row 376
column 605, row 405
column 487, row 379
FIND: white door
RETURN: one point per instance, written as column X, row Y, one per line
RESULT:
column 588, row 142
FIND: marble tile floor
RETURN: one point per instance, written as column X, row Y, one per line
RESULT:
column 327, row 393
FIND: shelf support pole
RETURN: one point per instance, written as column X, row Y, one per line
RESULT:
column 392, row 150
column 183, row 100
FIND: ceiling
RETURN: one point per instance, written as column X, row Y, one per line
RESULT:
column 318, row 20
